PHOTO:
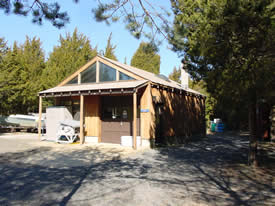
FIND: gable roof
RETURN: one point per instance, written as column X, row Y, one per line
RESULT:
column 140, row 75
column 158, row 79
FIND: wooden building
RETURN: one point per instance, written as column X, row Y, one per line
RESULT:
column 116, row 100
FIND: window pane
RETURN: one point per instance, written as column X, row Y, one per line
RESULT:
column 106, row 73
column 124, row 77
column 73, row 81
column 89, row 75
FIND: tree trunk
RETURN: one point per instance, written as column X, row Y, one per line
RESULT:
column 253, row 140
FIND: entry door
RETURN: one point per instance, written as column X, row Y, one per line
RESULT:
column 117, row 119
column 113, row 130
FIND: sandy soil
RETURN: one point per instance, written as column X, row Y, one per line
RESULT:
column 212, row 171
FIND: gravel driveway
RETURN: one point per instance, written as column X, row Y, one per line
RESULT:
column 207, row 172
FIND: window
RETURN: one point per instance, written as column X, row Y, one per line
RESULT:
column 73, row 81
column 106, row 73
column 124, row 77
column 89, row 75
column 118, row 108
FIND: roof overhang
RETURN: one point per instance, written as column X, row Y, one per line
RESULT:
column 181, row 91
column 108, row 88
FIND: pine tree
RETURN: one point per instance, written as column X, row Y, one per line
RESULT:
column 229, row 45
column 3, row 76
column 21, row 77
column 39, row 10
column 11, row 82
column 146, row 58
column 110, row 49
column 72, row 53
column 33, row 62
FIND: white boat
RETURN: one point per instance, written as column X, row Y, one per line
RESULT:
column 20, row 120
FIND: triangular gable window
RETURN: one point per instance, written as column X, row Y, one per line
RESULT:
column 89, row 75
column 106, row 73
column 73, row 81
column 123, row 76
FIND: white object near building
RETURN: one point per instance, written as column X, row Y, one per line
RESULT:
column 127, row 141
column 55, row 115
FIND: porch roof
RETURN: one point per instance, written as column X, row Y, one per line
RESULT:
column 96, row 88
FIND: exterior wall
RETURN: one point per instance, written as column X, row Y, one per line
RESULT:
column 146, row 118
column 92, row 116
column 176, row 115
column 163, row 114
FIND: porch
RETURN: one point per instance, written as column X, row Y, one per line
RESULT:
column 105, row 114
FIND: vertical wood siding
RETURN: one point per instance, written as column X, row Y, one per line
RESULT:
column 92, row 116
column 181, row 116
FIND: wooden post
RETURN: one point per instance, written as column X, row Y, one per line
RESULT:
column 135, row 120
column 79, row 78
column 40, row 118
column 81, row 119
column 117, row 75
column 97, row 71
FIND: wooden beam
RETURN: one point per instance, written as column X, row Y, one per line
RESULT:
column 117, row 75
column 40, row 118
column 97, row 71
column 79, row 78
column 81, row 119
column 135, row 120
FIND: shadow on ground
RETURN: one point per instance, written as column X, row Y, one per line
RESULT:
column 208, row 172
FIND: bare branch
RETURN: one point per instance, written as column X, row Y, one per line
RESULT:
column 148, row 14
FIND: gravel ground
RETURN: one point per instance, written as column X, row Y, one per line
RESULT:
column 212, row 171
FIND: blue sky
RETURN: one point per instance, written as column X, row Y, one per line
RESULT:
column 15, row 28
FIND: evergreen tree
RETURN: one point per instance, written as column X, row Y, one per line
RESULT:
column 146, row 58
column 228, row 45
column 33, row 62
column 21, row 77
column 11, row 82
column 175, row 75
column 72, row 53
column 110, row 49
column 3, row 96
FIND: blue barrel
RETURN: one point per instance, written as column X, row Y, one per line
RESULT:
column 220, row 127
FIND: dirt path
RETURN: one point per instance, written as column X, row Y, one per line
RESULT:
column 207, row 172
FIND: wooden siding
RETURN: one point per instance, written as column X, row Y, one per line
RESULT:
column 146, row 118
column 92, row 116
column 171, row 114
